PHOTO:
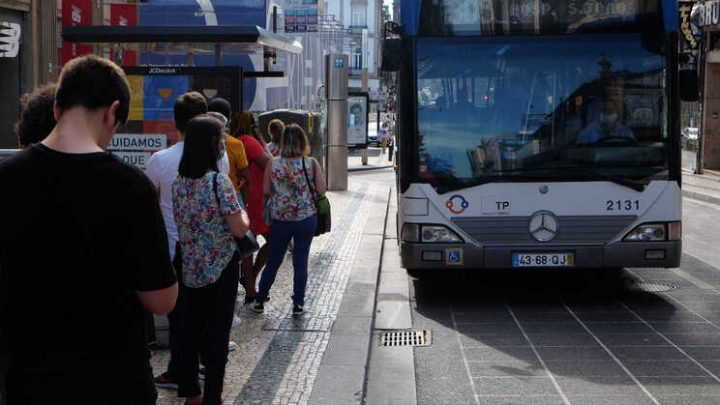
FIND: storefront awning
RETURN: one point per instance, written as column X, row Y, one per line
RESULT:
column 247, row 34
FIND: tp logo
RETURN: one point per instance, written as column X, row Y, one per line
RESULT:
column 457, row 204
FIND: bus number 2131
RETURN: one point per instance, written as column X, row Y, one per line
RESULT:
column 622, row 205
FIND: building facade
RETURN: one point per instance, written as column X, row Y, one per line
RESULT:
column 700, row 22
column 363, row 20
column 28, row 56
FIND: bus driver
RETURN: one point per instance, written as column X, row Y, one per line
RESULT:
column 608, row 127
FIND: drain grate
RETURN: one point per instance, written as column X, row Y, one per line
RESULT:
column 405, row 338
column 652, row 287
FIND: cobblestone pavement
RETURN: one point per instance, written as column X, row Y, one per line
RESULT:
column 278, row 356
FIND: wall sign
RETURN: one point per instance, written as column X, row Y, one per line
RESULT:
column 706, row 13
column 686, row 26
column 9, row 39
column 301, row 15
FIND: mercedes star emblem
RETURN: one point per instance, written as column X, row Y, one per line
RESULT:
column 544, row 226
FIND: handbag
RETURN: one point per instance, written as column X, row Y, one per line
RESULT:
column 322, row 204
column 248, row 244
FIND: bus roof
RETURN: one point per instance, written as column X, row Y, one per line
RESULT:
column 411, row 10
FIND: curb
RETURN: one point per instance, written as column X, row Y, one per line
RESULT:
column 366, row 168
column 343, row 369
column 701, row 196
column 391, row 370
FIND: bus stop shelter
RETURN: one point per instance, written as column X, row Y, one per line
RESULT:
column 155, row 86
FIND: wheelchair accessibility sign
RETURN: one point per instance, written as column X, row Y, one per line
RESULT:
column 454, row 257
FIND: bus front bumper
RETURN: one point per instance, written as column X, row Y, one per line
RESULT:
column 466, row 256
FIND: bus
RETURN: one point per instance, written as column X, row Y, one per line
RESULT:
column 537, row 133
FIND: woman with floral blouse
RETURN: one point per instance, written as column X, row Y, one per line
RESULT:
column 292, row 181
column 208, row 217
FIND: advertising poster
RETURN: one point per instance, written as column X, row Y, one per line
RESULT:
column 75, row 13
column 357, row 119
column 155, row 89
column 124, row 15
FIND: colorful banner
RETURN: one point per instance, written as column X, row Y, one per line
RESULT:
column 125, row 15
column 74, row 13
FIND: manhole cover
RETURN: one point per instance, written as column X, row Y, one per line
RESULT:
column 405, row 338
column 651, row 287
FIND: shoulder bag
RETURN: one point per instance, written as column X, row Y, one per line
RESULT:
column 322, row 204
column 248, row 244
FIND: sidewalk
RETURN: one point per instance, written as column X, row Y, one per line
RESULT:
column 321, row 357
column 376, row 160
column 704, row 187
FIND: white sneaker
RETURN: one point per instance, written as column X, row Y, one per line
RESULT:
column 236, row 321
column 232, row 346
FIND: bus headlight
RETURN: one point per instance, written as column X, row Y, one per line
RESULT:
column 415, row 233
column 438, row 234
column 647, row 233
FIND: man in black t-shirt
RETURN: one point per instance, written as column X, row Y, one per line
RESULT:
column 83, row 253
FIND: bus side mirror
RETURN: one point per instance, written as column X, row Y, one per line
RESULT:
column 392, row 55
column 689, row 86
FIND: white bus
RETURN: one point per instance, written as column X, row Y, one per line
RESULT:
column 537, row 133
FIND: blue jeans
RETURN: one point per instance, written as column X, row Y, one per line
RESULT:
column 302, row 233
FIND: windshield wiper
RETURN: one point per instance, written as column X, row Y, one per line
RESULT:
column 637, row 185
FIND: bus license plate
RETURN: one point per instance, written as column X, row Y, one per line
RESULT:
column 543, row 260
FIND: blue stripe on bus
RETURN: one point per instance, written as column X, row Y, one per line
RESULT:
column 410, row 16
column 671, row 15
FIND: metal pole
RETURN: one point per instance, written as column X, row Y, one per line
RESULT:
column 274, row 15
column 364, row 79
column 337, row 121
column 218, row 54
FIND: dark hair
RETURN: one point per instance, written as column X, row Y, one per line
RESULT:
column 202, row 147
column 220, row 105
column 37, row 118
column 188, row 106
column 293, row 143
column 93, row 82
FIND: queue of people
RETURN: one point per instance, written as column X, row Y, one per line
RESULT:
column 122, row 244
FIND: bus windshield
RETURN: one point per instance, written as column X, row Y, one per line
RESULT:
column 540, row 108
